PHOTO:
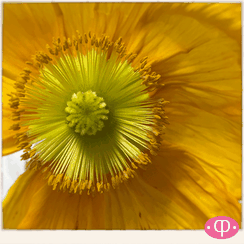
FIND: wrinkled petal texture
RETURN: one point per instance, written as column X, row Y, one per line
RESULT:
column 27, row 29
column 190, row 197
column 196, row 48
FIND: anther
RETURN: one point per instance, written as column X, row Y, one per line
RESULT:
column 143, row 59
column 29, row 63
column 85, row 38
column 119, row 41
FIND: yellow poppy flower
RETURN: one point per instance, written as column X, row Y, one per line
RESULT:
column 91, row 110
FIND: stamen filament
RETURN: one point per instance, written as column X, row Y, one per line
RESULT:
column 90, row 118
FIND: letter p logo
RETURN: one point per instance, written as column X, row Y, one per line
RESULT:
column 221, row 227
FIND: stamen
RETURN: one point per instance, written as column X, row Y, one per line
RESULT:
column 91, row 122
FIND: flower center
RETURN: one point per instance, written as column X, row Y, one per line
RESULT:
column 86, row 113
column 55, row 101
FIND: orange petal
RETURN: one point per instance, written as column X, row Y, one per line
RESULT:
column 181, row 176
column 32, row 204
column 174, row 193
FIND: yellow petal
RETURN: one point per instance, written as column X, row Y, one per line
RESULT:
column 185, row 39
column 205, row 119
column 161, row 29
column 180, row 176
column 213, row 139
column 9, row 142
column 213, row 63
column 145, row 26
column 203, row 84
column 224, row 16
column 32, row 204
column 176, row 27
column 27, row 28
column 114, row 20
column 17, row 191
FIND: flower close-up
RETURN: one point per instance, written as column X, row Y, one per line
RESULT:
column 127, row 115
